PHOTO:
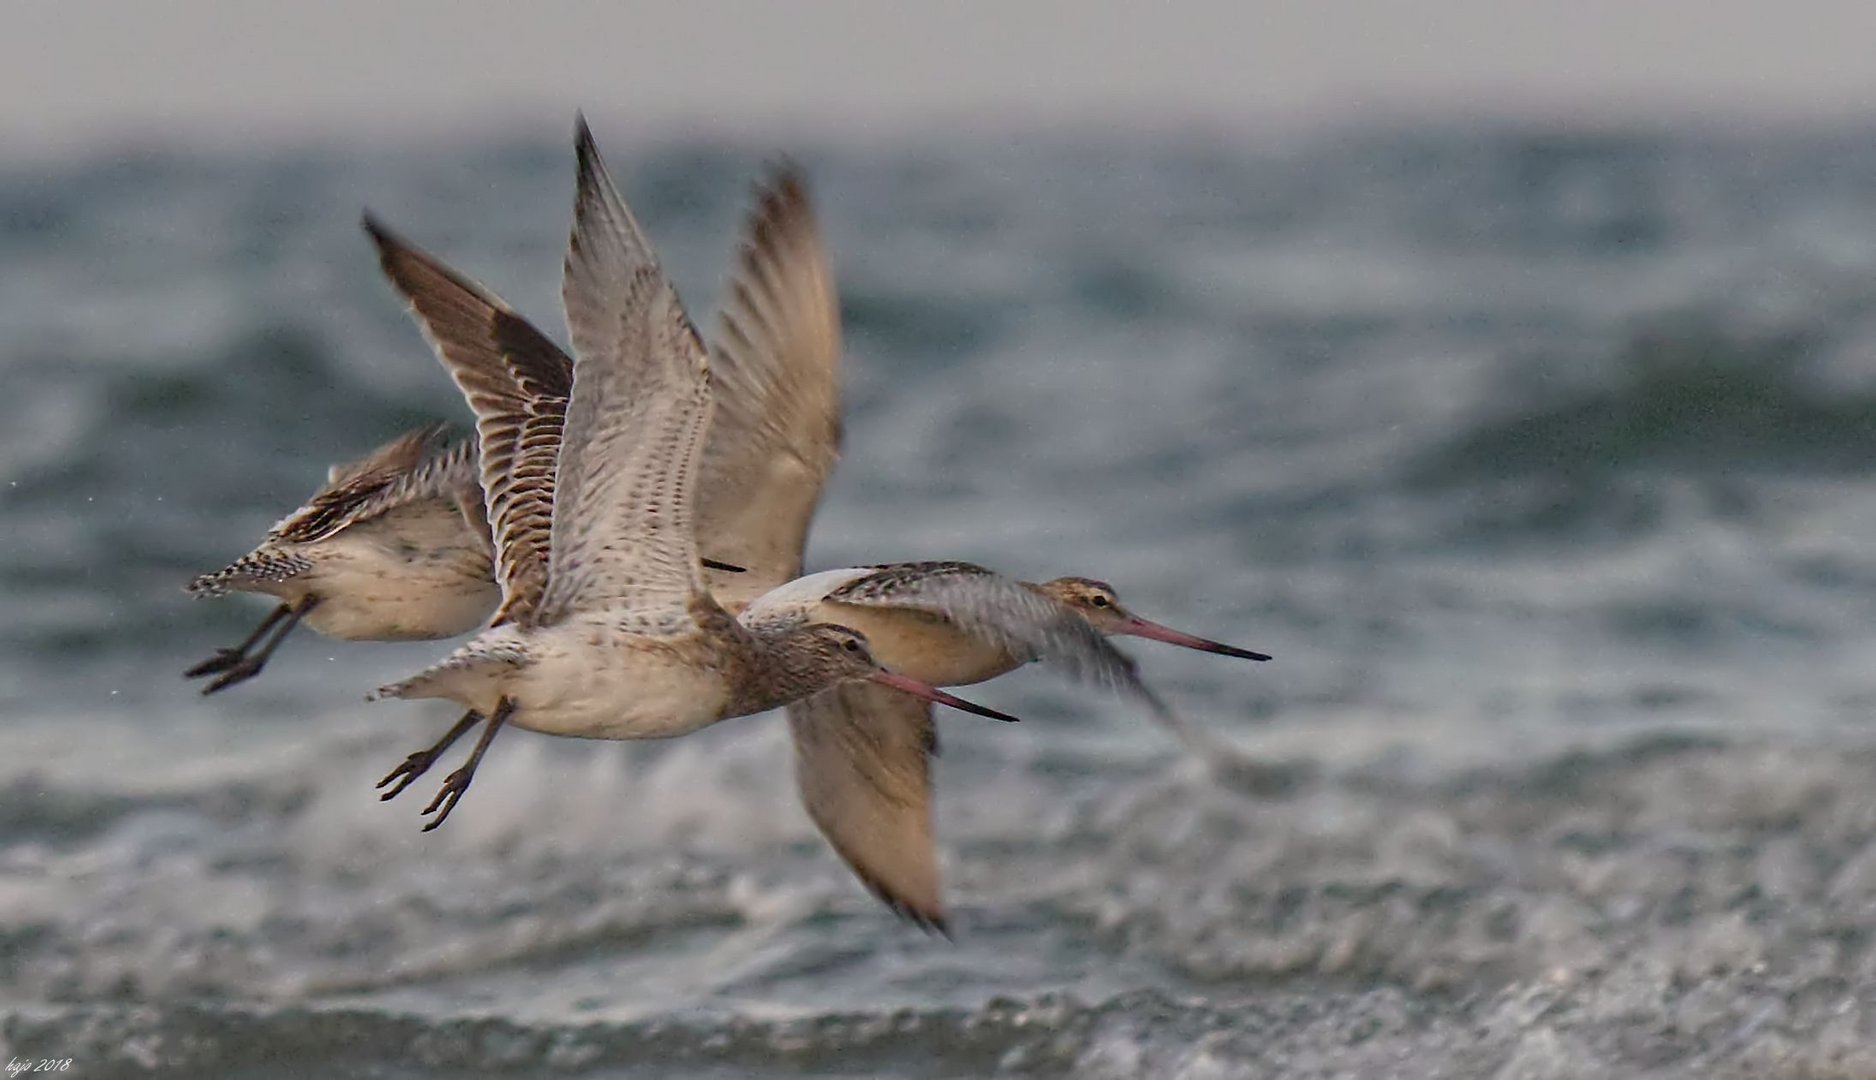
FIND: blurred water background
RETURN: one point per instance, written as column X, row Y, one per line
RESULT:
column 1540, row 460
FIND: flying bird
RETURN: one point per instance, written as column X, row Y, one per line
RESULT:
column 605, row 627
column 862, row 749
column 862, row 752
column 396, row 545
column 392, row 548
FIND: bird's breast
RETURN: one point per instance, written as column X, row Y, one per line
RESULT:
column 923, row 646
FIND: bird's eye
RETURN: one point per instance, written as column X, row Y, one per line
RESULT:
column 850, row 645
column 1098, row 600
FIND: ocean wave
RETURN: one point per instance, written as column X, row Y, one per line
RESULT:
column 1413, row 412
column 1622, row 1024
column 1691, row 397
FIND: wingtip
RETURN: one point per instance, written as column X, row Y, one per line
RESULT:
column 585, row 147
column 592, row 192
column 932, row 921
column 928, row 914
column 779, row 206
column 784, row 174
column 391, row 244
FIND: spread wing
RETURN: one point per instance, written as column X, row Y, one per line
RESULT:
column 408, row 467
column 1003, row 612
column 517, row 382
column 1023, row 622
column 862, row 761
column 622, row 527
column 775, row 435
column 401, row 454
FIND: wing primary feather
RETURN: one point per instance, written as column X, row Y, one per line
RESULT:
column 1005, row 613
column 410, row 467
column 623, row 534
column 862, row 763
column 516, row 381
column 775, row 437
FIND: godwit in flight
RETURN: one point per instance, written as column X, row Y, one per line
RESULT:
column 605, row 628
column 862, row 753
column 392, row 548
column 862, row 750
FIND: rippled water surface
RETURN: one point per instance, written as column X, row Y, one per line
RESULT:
column 1541, row 462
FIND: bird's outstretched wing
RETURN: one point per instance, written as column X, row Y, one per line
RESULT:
column 623, row 534
column 775, row 435
column 517, row 382
column 1001, row 611
column 862, row 761
column 1021, row 621
column 415, row 465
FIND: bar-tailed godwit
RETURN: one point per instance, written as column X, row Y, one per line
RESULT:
column 862, row 749
column 392, row 548
column 605, row 628
column 396, row 545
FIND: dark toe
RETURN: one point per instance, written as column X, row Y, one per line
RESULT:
column 447, row 797
column 241, row 672
column 405, row 774
column 221, row 661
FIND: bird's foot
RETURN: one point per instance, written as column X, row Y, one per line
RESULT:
column 221, row 661
column 449, row 795
column 241, row 670
column 407, row 773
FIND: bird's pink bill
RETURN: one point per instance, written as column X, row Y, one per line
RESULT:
column 1139, row 627
column 937, row 696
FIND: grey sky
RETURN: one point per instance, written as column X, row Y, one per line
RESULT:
column 74, row 72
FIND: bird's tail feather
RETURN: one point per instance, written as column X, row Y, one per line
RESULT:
column 470, row 675
column 261, row 566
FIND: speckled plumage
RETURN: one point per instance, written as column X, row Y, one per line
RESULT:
column 516, row 381
column 392, row 547
column 954, row 623
column 863, row 754
column 776, row 364
column 622, row 640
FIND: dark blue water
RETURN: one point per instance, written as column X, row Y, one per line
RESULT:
column 1541, row 461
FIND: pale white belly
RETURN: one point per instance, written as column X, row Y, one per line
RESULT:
column 400, row 607
column 591, row 685
column 414, row 575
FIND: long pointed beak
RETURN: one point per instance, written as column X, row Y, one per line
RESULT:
column 933, row 694
column 1139, row 627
